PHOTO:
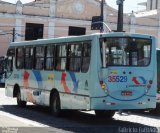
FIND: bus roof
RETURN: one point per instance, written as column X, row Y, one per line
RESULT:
column 76, row 38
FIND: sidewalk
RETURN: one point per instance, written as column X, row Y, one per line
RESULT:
column 14, row 124
column 6, row 119
column 9, row 121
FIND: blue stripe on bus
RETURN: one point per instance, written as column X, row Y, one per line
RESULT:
column 75, row 82
column 38, row 76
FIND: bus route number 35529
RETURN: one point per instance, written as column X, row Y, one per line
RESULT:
column 117, row 78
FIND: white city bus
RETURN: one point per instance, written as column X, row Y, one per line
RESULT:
column 102, row 72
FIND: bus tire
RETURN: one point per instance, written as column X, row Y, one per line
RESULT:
column 105, row 113
column 158, row 108
column 55, row 105
column 20, row 103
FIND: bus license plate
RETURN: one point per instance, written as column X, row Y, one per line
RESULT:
column 126, row 93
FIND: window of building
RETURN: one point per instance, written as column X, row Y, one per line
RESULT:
column 49, row 64
column 151, row 2
column 61, row 53
column 29, row 58
column 156, row 4
column 20, row 58
column 39, row 57
column 76, row 31
column 86, row 56
column 74, row 57
column 33, row 31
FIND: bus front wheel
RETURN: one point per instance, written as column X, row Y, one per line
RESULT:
column 20, row 103
column 105, row 113
column 55, row 105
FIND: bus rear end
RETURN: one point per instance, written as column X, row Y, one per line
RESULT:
column 127, row 77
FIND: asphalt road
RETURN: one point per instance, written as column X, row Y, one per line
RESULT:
column 37, row 119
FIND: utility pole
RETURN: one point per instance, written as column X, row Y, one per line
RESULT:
column 120, row 15
column 13, row 37
column 102, row 3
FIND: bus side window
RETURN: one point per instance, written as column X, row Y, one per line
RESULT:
column 9, row 64
column 9, row 60
column 74, row 57
column 20, row 58
column 86, row 57
column 61, row 53
column 29, row 58
column 39, row 58
column 49, row 57
column 1, row 65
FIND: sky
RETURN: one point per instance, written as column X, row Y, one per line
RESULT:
column 129, row 5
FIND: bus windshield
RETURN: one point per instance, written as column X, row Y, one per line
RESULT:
column 126, row 51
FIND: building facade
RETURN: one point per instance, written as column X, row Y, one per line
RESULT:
column 57, row 18
column 45, row 19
